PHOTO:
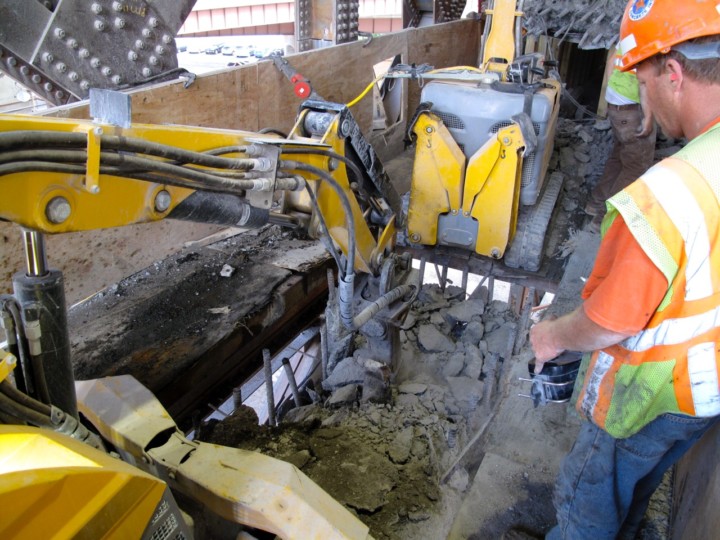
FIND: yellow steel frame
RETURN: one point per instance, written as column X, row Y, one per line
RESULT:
column 52, row 486
column 437, row 180
column 488, row 189
column 492, row 190
column 501, row 40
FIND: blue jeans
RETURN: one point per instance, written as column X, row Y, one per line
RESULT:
column 605, row 484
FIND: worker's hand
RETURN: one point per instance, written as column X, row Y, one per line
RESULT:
column 541, row 341
column 646, row 128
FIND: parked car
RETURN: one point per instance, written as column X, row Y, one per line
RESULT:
column 182, row 48
column 242, row 51
column 228, row 51
column 213, row 49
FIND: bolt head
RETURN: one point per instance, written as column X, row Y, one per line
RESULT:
column 58, row 210
column 84, row 53
column 119, row 22
column 415, row 237
column 162, row 201
column 99, row 26
column 429, row 129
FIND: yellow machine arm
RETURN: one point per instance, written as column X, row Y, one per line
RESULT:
column 63, row 175
column 60, row 176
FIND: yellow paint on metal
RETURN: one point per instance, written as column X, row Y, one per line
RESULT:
column 499, row 49
column 7, row 363
column 437, row 180
column 92, row 177
column 386, row 242
column 52, row 486
column 329, row 201
column 241, row 486
column 493, row 189
column 120, row 201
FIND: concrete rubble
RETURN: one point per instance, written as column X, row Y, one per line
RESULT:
column 397, row 460
column 592, row 24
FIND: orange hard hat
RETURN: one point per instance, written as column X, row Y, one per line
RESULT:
column 650, row 27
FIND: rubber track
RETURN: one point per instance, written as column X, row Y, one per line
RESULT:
column 526, row 250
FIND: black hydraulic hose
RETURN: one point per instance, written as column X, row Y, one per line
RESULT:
column 226, row 150
column 53, row 155
column 12, row 407
column 344, row 201
column 126, row 144
column 32, row 138
column 192, row 177
column 274, row 131
column 40, row 166
column 9, row 419
column 329, row 244
column 346, row 282
column 16, row 395
column 328, row 153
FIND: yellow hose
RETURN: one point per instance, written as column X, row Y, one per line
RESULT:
column 364, row 92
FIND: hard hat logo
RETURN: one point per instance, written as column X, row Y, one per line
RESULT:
column 639, row 9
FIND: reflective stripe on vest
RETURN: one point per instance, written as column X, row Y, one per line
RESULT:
column 672, row 365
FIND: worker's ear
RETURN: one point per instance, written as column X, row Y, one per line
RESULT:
column 673, row 70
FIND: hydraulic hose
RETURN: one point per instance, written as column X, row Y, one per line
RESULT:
column 381, row 303
column 16, row 395
column 328, row 241
column 23, row 139
column 344, row 201
column 13, row 408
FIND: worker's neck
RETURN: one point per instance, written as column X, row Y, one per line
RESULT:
column 701, row 108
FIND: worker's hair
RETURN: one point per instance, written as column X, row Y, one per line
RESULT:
column 707, row 70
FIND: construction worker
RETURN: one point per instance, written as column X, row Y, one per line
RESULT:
column 651, row 313
column 633, row 132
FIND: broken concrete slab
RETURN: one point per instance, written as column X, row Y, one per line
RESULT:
column 432, row 340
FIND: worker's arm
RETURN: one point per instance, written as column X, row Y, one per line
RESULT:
column 574, row 331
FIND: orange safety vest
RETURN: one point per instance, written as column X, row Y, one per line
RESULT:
column 672, row 365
